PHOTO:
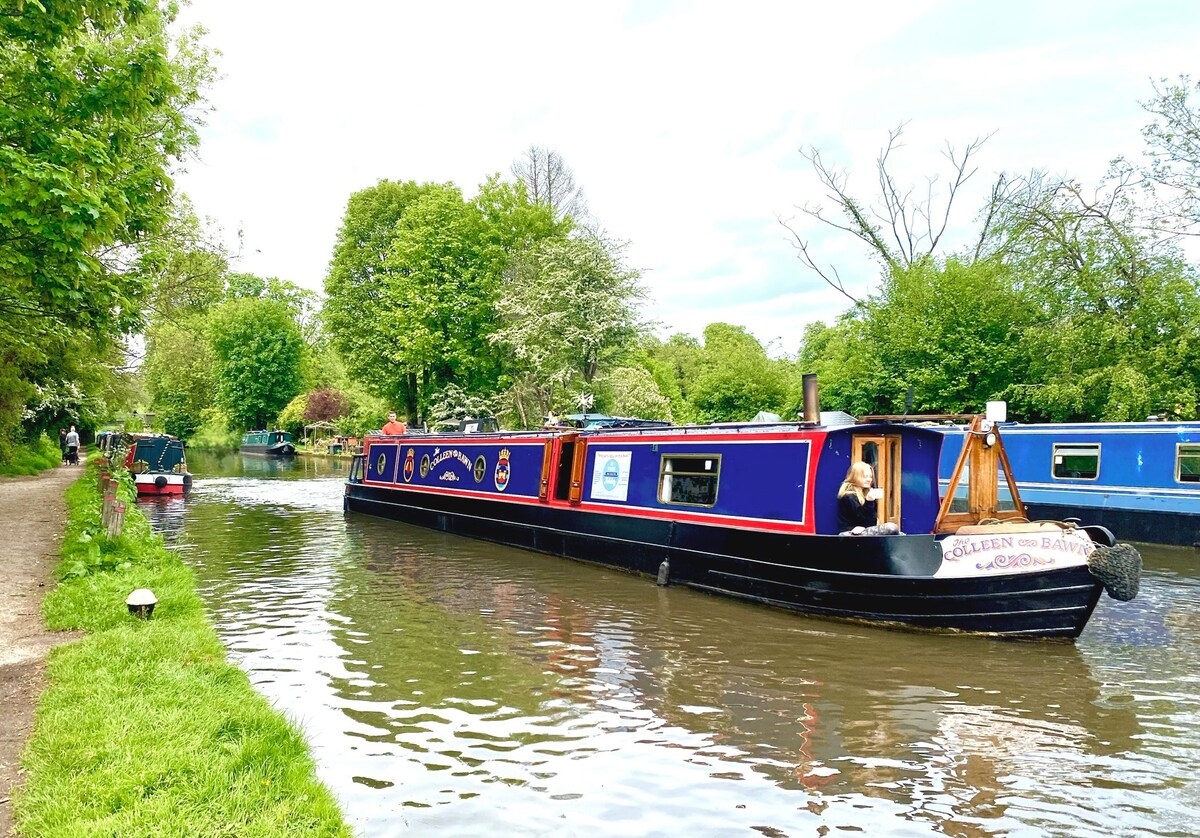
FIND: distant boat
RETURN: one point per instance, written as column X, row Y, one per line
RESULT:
column 269, row 443
column 158, row 464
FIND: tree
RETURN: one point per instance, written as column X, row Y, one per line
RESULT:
column 94, row 109
column 258, row 350
column 413, row 285
column 736, row 378
column 899, row 227
column 179, row 373
column 566, row 305
column 1173, row 150
column 549, row 180
column 632, row 391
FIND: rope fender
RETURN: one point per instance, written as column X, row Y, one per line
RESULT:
column 1119, row 569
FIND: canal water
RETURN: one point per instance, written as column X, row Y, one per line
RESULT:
column 454, row 687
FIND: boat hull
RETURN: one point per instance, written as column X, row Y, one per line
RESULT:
column 282, row 449
column 152, row 484
column 1146, row 526
column 883, row 580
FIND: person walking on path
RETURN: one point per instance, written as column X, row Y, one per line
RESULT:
column 72, row 440
column 33, row 515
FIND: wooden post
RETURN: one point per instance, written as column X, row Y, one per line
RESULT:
column 117, row 520
column 106, row 509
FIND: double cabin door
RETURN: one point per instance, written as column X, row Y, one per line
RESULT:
column 882, row 453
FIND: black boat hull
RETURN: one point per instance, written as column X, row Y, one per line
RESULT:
column 885, row 580
column 283, row 449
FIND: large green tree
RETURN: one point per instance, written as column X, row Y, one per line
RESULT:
column 96, row 105
column 567, row 304
column 258, row 351
column 412, row 288
column 736, row 378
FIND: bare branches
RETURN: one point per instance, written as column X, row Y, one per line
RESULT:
column 549, row 180
column 899, row 228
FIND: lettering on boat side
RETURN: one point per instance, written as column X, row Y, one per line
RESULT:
column 992, row 552
column 440, row 457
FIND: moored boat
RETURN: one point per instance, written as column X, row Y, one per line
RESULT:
column 750, row 511
column 1141, row 479
column 270, row 443
column 157, row 463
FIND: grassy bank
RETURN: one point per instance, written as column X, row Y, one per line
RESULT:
column 145, row 728
column 29, row 458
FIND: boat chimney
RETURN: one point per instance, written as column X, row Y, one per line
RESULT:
column 812, row 399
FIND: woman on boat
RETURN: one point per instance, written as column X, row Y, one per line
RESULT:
column 858, row 504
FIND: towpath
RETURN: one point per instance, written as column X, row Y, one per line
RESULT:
column 33, row 516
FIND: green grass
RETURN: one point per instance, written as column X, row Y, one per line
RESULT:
column 30, row 458
column 145, row 728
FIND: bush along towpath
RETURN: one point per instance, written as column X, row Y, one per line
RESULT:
column 144, row 727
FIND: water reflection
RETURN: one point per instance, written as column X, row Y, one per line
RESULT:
column 463, row 687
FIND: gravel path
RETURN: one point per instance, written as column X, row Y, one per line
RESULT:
column 33, row 515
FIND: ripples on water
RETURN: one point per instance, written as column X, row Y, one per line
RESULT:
column 456, row 687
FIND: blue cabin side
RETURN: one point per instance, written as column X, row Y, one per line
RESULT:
column 780, row 479
column 1151, row 466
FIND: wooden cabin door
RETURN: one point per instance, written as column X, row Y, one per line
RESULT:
column 882, row 452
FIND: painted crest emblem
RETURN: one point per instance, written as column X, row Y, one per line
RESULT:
column 502, row 470
column 409, row 456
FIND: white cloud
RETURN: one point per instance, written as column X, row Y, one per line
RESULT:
column 682, row 121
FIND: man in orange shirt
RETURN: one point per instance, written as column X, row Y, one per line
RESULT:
column 394, row 428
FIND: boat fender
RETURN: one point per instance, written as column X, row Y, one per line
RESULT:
column 160, row 481
column 1119, row 569
column 1102, row 536
column 664, row 572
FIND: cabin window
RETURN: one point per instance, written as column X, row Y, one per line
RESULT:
column 690, row 480
column 1077, row 461
column 1187, row 464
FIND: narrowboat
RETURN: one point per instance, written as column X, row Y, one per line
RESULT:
column 270, row 443
column 750, row 511
column 157, row 463
column 1141, row 479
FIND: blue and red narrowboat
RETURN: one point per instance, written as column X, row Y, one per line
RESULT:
column 750, row 511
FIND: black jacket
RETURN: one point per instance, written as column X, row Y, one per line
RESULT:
column 853, row 514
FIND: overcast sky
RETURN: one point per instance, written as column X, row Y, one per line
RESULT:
column 682, row 121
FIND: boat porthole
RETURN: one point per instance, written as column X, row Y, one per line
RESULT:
column 425, row 465
column 480, row 468
column 380, row 463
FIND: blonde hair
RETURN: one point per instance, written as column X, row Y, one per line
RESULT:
column 854, row 474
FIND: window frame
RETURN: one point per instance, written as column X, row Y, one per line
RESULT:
column 1056, row 451
column 715, row 476
column 1179, row 455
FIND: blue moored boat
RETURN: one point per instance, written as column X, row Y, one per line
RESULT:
column 1141, row 479
column 750, row 511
